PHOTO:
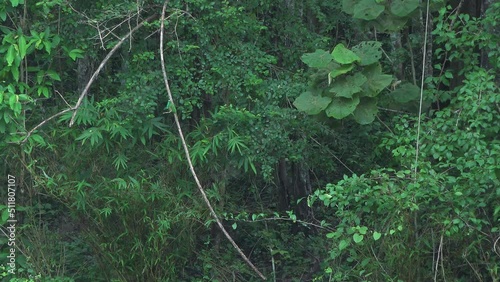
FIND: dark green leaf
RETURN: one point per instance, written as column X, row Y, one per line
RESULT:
column 318, row 59
column 369, row 51
column 3, row 15
column 367, row 10
column 388, row 22
column 366, row 111
column 348, row 6
column 403, row 8
column 376, row 80
column 347, row 86
column 5, row 215
column 406, row 92
column 342, row 107
column 311, row 104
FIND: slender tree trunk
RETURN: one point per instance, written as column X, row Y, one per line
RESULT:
column 294, row 187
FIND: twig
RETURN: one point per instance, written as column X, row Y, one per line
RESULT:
column 101, row 66
column 65, row 102
column 378, row 261
column 417, row 146
column 287, row 219
column 495, row 246
column 333, row 155
column 439, row 253
column 28, row 134
column 388, row 128
column 188, row 155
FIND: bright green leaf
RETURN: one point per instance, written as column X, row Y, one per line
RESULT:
column 48, row 46
column 22, row 46
column 76, row 53
column 11, row 55
column 342, row 107
column 344, row 56
column 362, row 230
column 343, row 244
column 340, row 69
column 311, row 104
column 376, row 235
column 38, row 139
column 17, row 109
column 15, row 3
column 13, row 100
column 357, row 238
column 318, row 59
column 52, row 74
column 234, row 225
column 15, row 72
column 366, row 111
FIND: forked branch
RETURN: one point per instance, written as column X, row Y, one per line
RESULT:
column 101, row 66
column 87, row 87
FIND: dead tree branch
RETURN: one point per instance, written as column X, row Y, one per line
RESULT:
column 101, row 66
column 188, row 155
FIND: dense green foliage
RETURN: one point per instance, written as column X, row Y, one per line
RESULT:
column 304, row 128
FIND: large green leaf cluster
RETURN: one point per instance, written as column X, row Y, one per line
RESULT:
column 381, row 14
column 354, row 79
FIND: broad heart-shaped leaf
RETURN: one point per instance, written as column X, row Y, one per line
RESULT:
column 348, row 6
column 376, row 80
column 388, row 22
column 340, row 69
column 366, row 111
column 403, row 8
column 349, row 85
column 368, row 51
column 405, row 93
column 311, row 104
column 342, row 107
column 318, row 59
column 344, row 56
column 357, row 238
column 368, row 10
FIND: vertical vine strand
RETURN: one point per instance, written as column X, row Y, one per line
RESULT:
column 417, row 146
